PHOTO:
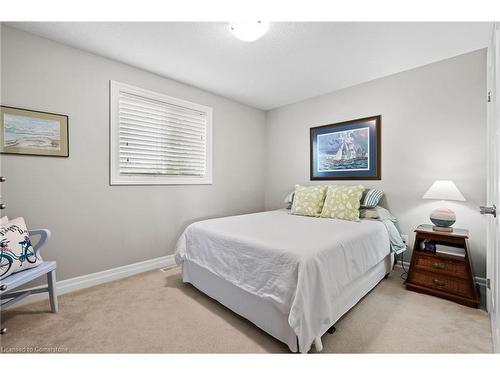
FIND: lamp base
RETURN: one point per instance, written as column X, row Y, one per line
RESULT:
column 442, row 229
column 442, row 218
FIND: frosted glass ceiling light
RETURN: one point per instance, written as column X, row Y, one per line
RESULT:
column 249, row 31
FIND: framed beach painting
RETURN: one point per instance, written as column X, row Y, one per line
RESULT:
column 347, row 150
column 27, row 132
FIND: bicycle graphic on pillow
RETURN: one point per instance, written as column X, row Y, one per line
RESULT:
column 7, row 255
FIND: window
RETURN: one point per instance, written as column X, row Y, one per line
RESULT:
column 157, row 139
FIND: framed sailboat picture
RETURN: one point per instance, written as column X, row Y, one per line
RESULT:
column 348, row 150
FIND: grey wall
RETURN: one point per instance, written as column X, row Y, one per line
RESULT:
column 433, row 127
column 96, row 226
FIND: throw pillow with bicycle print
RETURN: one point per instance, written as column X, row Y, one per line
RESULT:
column 16, row 251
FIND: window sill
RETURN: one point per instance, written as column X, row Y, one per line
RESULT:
column 159, row 180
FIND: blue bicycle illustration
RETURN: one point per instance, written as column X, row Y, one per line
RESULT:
column 7, row 256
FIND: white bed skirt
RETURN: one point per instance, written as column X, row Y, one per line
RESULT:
column 263, row 313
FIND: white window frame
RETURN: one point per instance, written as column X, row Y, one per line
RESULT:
column 118, row 179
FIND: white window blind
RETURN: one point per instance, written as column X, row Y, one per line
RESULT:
column 158, row 139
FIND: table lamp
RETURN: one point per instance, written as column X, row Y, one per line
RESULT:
column 442, row 217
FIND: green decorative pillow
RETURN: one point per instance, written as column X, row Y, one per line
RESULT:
column 308, row 200
column 342, row 202
column 368, row 213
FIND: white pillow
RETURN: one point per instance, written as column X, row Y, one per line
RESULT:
column 16, row 252
column 289, row 199
column 4, row 220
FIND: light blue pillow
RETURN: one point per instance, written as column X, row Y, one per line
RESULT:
column 384, row 214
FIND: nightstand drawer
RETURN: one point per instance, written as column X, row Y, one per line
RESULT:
column 442, row 282
column 444, row 266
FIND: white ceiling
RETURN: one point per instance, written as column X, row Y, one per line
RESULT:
column 292, row 62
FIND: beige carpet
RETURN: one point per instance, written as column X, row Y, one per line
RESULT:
column 155, row 312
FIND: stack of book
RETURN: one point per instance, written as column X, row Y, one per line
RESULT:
column 450, row 250
column 431, row 246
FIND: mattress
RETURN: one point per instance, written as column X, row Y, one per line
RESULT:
column 299, row 264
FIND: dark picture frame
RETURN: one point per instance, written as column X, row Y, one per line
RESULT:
column 348, row 150
column 29, row 132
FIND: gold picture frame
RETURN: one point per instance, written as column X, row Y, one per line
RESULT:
column 27, row 132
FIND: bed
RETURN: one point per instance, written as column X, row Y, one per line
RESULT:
column 292, row 276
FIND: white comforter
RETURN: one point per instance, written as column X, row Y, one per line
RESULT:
column 299, row 263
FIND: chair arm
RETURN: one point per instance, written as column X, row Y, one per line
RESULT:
column 44, row 237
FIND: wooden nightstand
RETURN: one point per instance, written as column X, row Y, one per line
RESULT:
column 441, row 275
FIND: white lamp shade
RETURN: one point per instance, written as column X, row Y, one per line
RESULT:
column 444, row 190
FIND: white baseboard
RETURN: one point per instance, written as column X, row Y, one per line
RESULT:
column 406, row 264
column 496, row 341
column 86, row 281
column 481, row 281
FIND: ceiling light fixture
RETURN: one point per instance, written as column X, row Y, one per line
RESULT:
column 249, row 31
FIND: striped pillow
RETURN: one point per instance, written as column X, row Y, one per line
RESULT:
column 371, row 197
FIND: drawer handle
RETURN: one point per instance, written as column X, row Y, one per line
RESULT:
column 439, row 282
column 439, row 266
